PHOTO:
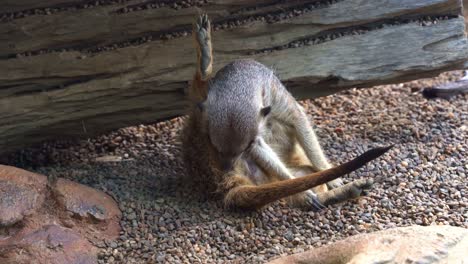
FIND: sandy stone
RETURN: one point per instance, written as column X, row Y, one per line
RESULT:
column 87, row 203
column 415, row 244
column 56, row 229
column 16, row 202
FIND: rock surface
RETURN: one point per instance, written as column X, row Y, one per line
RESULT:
column 90, row 205
column 54, row 223
column 21, row 192
column 414, row 244
column 52, row 244
column 16, row 202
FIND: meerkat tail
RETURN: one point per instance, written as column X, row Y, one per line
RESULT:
column 198, row 89
column 254, row 197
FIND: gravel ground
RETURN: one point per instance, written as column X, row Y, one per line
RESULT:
column 422, row 180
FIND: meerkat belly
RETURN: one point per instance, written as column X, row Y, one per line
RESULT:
column 280, row 138
column 254, row 172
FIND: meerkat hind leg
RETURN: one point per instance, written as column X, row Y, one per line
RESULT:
column 336, row 183
column 346, row 192
column 307, row 199
column 324, row 196
column 202, row 35
column 255, row 196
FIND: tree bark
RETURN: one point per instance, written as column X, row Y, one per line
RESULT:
column 73, row 70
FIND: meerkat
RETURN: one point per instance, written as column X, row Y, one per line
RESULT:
column 247, row 137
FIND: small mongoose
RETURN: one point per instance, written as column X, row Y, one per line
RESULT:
column 251, row 140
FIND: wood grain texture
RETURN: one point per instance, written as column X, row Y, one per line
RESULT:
column 86, row 28
column 77, row 93
column 465, row 13
column 9, row 6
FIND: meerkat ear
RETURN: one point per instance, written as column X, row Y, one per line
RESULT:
column 265, row 111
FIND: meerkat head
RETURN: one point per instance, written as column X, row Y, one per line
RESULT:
column 232, row 126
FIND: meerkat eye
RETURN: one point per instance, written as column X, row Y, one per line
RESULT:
column 265, row 111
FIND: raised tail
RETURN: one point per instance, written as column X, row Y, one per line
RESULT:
column 254, row 197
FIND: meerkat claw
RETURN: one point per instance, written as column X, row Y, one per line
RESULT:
column 205, row 21
column 312, row 202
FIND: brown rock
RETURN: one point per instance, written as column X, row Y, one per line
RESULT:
column 34, row 229
column 52, row 244
column 21, row 193
column 91, row 205
column 415, row 244
column 16, row 202
column 23, row 177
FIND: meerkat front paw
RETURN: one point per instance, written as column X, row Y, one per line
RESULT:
column 202, row 33
column 312, row 202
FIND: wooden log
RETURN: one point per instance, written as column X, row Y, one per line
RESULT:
column 9, row 6
column 465, row 13
column 83, row 72
column 103, row 25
